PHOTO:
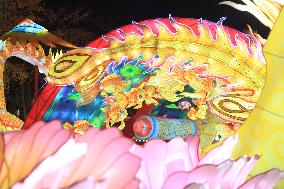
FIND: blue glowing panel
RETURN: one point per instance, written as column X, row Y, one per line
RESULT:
column 29, row 26
column 65, row 110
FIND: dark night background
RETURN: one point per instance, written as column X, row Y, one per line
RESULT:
column 104, row 16
column 81, row 21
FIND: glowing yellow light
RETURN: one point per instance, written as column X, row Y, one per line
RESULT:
column 134, row 53
column 115, row 44
column 147, row 34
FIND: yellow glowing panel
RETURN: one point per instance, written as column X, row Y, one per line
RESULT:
column 263, row 131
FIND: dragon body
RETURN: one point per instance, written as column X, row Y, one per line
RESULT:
column 158, row 59
column 183, row 68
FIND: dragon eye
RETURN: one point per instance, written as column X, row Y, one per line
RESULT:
column 217, row 138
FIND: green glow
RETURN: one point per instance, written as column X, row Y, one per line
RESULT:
column 172, row 106
column 189, row 62
column 74, row 96
column 130, row 71
column 99, row 120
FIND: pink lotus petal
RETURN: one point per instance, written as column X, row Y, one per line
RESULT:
column 232, row 174
column 220, row 153
column 160, row 159
column 180, row 180
column 229, row 174
column 49, row 140
column 9, row 135
column 241, row 177
column 193, row 149
column 122, row 172
column 26, row 148
column 110, row 155
column 217, row 179
column 177, row 156
column 81, row 166
column 105, row 159
column 264, row 181
column 176, row 165
column 89, row 136
column 90, row 183
column 153, row 163
column 101, row 157
column 132, row 185
column 69, row 152
column 96, row 142
column 197, row 186
column 86, row 184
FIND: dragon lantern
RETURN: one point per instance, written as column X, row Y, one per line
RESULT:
column 157, row 78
